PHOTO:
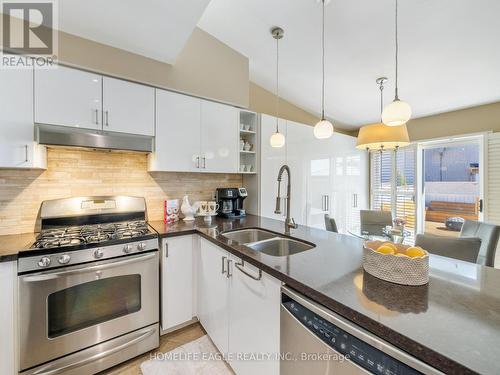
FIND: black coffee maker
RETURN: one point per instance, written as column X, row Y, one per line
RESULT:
column 230, row 202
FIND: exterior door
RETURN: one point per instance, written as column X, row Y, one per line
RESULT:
column 219, row 138
column 128, row 107
column 68, row 97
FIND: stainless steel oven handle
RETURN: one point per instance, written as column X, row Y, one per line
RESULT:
column 95, row 357
column 86, row 269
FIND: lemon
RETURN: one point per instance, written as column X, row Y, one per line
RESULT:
column 415, row 252
column 385, row 250
column 391, row 245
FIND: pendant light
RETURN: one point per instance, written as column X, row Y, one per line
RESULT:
column 379, row 136
column 398, row 112
column 277, row 140
column 324, row 128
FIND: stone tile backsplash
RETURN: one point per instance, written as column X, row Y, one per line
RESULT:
column 83, row 172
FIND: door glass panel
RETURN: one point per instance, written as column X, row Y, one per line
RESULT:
column 91, row 303
column 451, row 187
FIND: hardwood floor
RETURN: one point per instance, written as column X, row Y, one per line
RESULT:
column 167, row 342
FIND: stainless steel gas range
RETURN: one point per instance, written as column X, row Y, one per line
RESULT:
column 88, row 288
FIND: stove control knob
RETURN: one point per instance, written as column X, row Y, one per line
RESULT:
column 44, row 262
column 127, row 248
column 98, row 253
column 141, row 246
column 64, row 259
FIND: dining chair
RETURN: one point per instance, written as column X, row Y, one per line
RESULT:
column 373, row 222
column 477, row 243
column 330, row 224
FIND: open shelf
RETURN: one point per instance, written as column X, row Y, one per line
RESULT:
column 246, row 152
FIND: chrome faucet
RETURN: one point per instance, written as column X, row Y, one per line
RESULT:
column 289, row 222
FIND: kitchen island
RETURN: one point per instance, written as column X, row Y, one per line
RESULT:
column 452, row 324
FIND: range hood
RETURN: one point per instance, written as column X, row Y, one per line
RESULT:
column 70, row 136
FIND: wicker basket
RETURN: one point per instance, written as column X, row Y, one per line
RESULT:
column 395, row 269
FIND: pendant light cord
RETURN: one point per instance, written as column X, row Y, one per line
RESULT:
column 277, row 83
column 381, row 99
column 323, row 64
column 397, row 50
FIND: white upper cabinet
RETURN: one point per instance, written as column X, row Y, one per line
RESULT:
column 219, row 138
column 17, row 146
column 128, row 107
column 177, row 133
column 271, row 161
column 69, row 97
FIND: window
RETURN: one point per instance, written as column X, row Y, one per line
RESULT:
column 392, row 176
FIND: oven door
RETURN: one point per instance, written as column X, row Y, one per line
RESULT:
column 66, row 310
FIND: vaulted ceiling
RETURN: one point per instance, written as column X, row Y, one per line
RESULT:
column 449, row 55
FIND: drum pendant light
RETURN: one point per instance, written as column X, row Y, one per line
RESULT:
column 324, row 128
column 277, row 140
column 398, row 112
column 377, row 137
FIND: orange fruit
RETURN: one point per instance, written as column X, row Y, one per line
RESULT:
column 415, row 252
column 385, row 250
column 391, row 245
column 401, row 255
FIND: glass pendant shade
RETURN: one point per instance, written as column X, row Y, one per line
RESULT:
column 277, row 140
column 396, row 113
column 380, row 136
column 323, row 129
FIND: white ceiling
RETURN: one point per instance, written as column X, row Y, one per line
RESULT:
column 158, row 29
column 449, row 51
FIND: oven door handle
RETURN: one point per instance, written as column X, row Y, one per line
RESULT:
column 82, row 270
column 79, row 363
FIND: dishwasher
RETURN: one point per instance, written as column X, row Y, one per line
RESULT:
column 315, row 340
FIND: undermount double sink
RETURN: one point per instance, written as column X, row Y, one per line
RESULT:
column 267, row 242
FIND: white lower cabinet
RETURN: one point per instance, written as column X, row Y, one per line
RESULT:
column 8, row 326
column 254, row 320
column 239, row 307
column 213, row 293
column 176, row 281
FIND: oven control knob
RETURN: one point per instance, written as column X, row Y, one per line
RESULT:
column 98, row 253
column 44, row 262
column 64, row 259
column 141, row 246
column 127, row 248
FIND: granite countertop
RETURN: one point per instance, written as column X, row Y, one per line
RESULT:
column 453, row 323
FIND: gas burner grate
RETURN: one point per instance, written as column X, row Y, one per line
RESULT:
column 90, row 234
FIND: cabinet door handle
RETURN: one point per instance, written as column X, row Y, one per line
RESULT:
column 223, row 264
column 106, row 114
column 166, row 250
column 204, row 163
column 229, row 274
column 355, row 200
column 26, row 151
column 240, row 267
column 325, row 203
column 197, row 162
column 97, row 117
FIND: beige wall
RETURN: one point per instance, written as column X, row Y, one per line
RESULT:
column 206, row 67
column 81, row 172
column 465, row 121
column 263, row 101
